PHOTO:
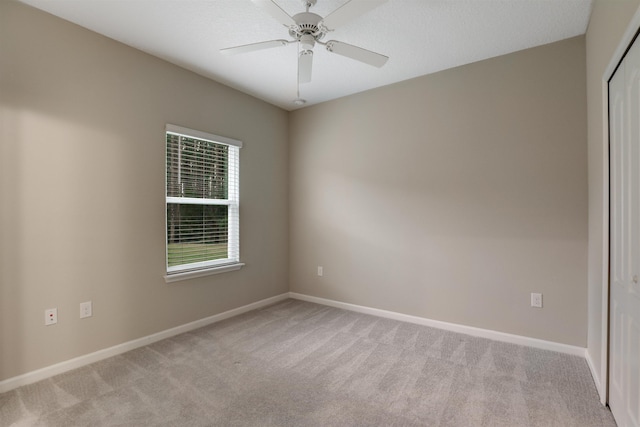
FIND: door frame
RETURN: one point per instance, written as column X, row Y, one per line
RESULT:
column 623, row 46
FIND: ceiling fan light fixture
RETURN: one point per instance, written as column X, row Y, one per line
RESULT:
column 307, row 42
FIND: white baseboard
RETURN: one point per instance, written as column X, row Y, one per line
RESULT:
column 453, row 327
column 596, row 378
column 78, row 362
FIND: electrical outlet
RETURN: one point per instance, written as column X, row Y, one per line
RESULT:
column 50, row 316
column 320, row 271
column 85, row 309
column 536, row 300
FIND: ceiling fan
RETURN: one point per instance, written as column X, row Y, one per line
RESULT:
column 307, row 29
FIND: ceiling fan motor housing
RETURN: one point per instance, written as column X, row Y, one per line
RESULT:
column 307, row 24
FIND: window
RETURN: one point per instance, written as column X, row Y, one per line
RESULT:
column 202, row 189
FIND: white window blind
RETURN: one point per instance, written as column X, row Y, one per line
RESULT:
column 202, row 193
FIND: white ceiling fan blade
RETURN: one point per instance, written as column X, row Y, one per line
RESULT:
column 253, row 47
column 276, row 11
column 357, row 53
column 305, row 61
column 349, row 11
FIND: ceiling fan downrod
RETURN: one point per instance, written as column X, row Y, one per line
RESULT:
column 308, row 4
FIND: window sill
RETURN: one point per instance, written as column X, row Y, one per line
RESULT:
column 176, row 277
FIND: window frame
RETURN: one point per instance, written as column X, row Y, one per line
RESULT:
column 232, row 262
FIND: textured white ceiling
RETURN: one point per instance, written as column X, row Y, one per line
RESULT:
column 419, row 36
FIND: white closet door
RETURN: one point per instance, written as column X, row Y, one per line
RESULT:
column 624, row 372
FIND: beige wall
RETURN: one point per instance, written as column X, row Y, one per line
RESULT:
column 452, row 196
column 82, row 187
column 609, row 20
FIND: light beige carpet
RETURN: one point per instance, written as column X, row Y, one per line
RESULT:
column 302, row 364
